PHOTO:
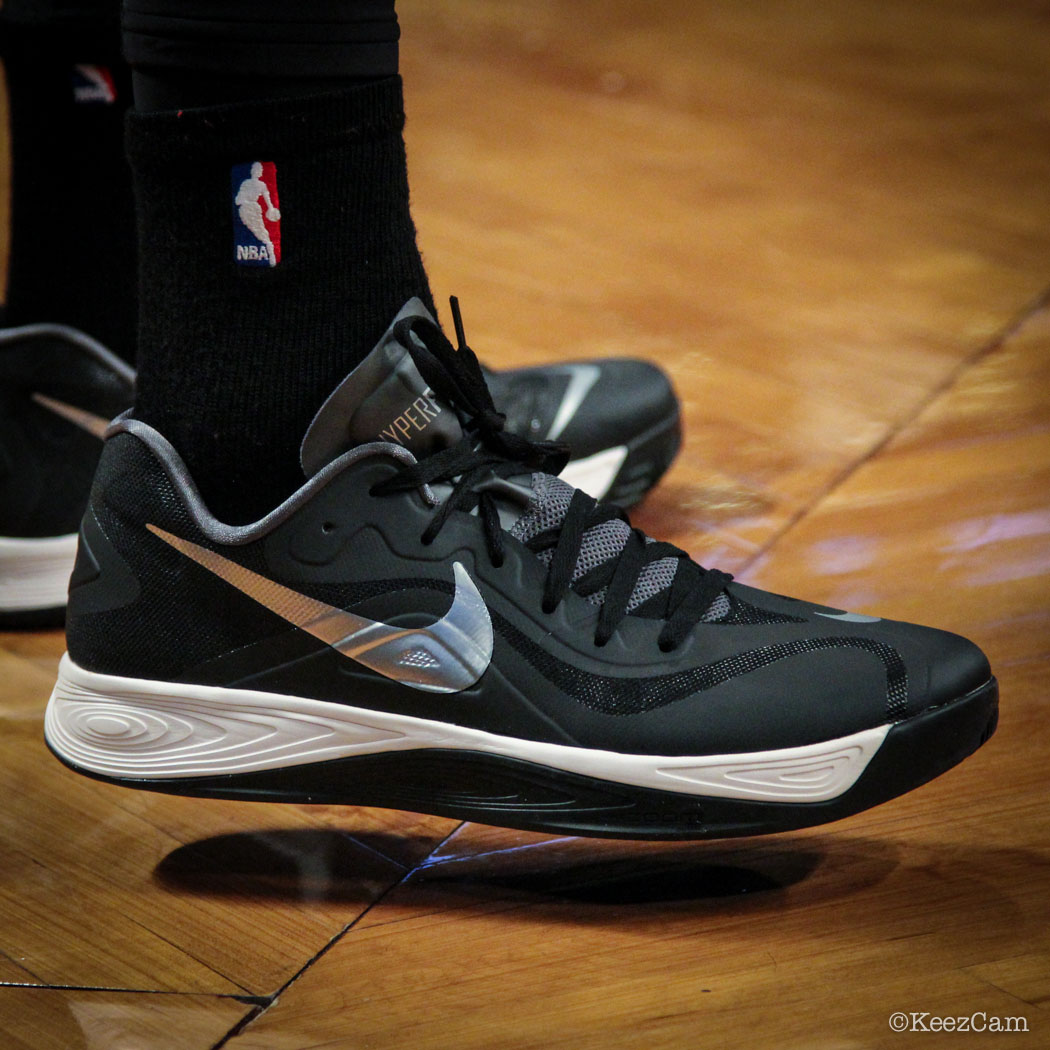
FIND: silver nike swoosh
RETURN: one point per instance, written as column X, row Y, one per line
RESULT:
column 581, row 379
column 79, row 417
column 446, row 657
column 850, row 617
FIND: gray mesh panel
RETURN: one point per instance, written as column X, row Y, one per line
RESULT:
column 654, row 578
column 550, row 502
column 599, row 545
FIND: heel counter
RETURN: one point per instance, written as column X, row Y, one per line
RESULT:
column 102, row 579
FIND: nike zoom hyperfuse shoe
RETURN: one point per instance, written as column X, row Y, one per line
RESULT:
column 435, row 622
column 58, row 390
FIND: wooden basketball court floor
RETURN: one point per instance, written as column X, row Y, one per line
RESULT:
column 831, row 223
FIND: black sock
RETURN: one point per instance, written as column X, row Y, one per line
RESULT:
column 241, row 340
column 189, row 53
column 72, row 254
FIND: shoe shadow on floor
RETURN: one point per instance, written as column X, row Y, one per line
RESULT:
column 323, row 865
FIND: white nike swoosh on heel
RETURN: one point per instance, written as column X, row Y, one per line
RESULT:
column 581, row 379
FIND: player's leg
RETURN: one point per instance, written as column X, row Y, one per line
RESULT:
column 237, row 354
column 72, row 251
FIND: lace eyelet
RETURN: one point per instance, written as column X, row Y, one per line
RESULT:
column 426, row 540
column 548, row 609
column 599, row 643
column 499, row 564
column 327, row 527
column 665, row 648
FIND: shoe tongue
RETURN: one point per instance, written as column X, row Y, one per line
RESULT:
column 383, row 399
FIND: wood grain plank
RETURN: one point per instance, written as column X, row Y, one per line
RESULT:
column 809, row 215
column 78, row 1019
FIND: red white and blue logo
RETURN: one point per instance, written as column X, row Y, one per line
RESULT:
column 93, row 85
column 256, row 214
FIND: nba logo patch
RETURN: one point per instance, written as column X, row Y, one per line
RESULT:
column 93, row 85
column 256, row 214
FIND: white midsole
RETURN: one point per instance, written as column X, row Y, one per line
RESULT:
column 595, row 474
column 140, row 729
column 34, row 573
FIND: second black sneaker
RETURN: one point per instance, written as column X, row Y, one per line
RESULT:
column 435, row 622
column 59, row 388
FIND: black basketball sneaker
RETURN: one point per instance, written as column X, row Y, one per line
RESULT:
column 435, row 622
column 59, row 388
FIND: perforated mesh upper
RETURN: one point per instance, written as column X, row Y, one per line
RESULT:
column 719, row 609
column 549, row 505
column 602, row 543
column 627, row 696
column 546, row 511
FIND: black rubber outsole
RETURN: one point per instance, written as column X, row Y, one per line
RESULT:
column 507, row 792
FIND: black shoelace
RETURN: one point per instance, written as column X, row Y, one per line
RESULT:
column 487, row 450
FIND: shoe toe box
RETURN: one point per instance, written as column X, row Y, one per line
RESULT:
column 955, row 667
column 628, row 398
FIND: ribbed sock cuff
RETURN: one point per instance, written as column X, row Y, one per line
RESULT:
column 315, row 123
